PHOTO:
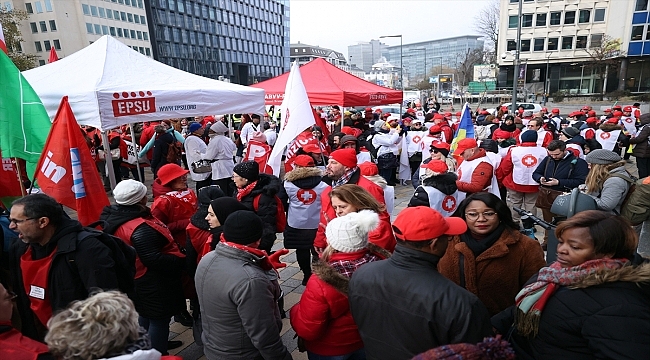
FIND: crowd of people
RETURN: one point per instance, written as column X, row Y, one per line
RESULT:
column 457, row 274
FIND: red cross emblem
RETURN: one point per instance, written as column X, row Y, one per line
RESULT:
column 605, row 135
column 449, row 203
column 416, row 139
column 529, row 160
column 460, row 174
column 628, row 120
column 306, row 196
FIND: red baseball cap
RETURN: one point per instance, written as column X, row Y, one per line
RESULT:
column 591, row 113
column 435, row 129
column 555, row 111
column 437, row 166
column 618, row 113
column 467, row 143
column 304, row 161
column 311, row 148
column 502, row 134
column 585, row 108
column 544, row 109
column 627, row 109
column 438, row 116
column 368, row 169
column 422, row 223
column 592, row 120
column 613, row 120
column 410, row 111
column 617, row 107
column 608, row 110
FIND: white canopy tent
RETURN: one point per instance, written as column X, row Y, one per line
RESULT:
column 109, row 84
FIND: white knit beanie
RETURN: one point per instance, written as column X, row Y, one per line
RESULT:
column 129, row 192
column 219, row 128
column 349, row 233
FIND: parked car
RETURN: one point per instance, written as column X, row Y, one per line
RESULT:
column 527, row 106
column 392, row 109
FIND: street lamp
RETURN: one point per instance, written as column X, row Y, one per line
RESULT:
column 401, row 67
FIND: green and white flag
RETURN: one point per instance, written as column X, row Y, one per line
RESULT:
column 24, row 123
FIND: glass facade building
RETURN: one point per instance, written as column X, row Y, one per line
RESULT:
column 241, row 41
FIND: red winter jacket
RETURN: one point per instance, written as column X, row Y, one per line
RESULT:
column 15, row 346
column 173, row 212
column 481, row 176
column 382, row 236
column 322, row 317
column 504, row 173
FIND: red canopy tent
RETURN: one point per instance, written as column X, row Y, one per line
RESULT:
column 328, row 85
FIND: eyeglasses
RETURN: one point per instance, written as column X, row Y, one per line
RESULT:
column 531, row 126
column 16, row 222
column 435, row 151
column 472, row 216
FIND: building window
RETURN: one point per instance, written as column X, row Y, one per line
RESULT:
column 552, row 44
column 145, row 35
column 637, row 33
column 104, row 30
column 136, row 18
column 28, row 7
column 48, row 5
column 102, row 12
column 122, row 15
column 584, row 16
column 52, row 25
column 596, row 40
column 43, row 26
column 513, row 21
column 569, row 17
column 86, row 9
column 126, row 33
column 581, row 42
column 142, row 20
column 39, row 7
column 41, row 62
column 511, row 46
column 525, row 45
column 109, row 13
column 538, row 45
column 540, row 20
column 140, row 4
column 47, row 45
column 38, row 46
column 599, row 15
column 567, row 42
column 132, row 34
column 89, row 28
column 112, row 31
column 116, row 15
column 130, row 17
column 641, row 5
column 119, row 32
column 139, row 33
column 147, row 51
column 127, row 2
column 527, row 20
column 34, row 27
column 555, row 18
column 93, row 11
column 98, row 29
column 57, row 44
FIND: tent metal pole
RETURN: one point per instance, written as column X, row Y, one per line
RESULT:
column 135, row 148
column 108, row 160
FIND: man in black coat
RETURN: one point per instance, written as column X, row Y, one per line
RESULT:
column 50, row 267
column 423, row 309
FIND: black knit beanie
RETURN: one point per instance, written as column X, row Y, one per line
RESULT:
column 224, row 206
column 243, row 227
column 249, row 170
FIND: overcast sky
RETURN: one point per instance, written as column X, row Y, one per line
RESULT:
column 336, row 24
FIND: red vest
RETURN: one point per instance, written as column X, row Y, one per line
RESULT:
column 199, row 239
column 35, row 276
column 181, row 205
column 124, row 232
column 15, row 346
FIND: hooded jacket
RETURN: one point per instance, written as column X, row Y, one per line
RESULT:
column 322, row 317
column 605, row 315
column 614, row 190
column 267, row 187
column 641, row 141
column 304, row 186
column 158, row 293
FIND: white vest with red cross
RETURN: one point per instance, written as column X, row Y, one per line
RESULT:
column 467, row 167
column 304, row 205
column 414, row 138
column 629, row 123
column 607, row 139
column 442, row 203
column 525, row 160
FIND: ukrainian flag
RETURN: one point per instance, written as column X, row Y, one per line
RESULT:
column 465, row 127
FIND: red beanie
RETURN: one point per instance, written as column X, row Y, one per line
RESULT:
column 346, row 157
column 368, row 169
column 502, row 134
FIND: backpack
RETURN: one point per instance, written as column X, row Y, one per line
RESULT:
column 174, row 152
column 636, row 205
column 123, row 255
column 280, row 216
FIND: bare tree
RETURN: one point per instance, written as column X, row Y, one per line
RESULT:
column 487, row 24
column 604, row 57
column 10, row 21
column 465, row 68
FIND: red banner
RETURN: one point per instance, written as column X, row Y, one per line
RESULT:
column 9, row 183
column 304, row 138
column 66, row 170
column 260, row 153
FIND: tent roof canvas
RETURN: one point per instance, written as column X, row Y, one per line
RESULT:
column 109, row 84
column 328, row 85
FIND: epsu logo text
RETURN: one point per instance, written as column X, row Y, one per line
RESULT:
column 131, row 104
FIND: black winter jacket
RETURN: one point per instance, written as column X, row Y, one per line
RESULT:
column 604, row 316
column 562, row 170
column 268, row 186
column 404, row 306
column 642, row 148
column 78, row 267
column 446, row 183
column 160, row 149
column 158, row 293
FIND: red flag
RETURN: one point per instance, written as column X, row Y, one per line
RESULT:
column 304, row 138
column 320, row 122
column 66, row 170
column 9, row 183
column 259, row 152
column 53, row 56
column 3, row 45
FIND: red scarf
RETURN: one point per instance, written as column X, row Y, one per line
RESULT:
column 265, row 263
column 245, row 191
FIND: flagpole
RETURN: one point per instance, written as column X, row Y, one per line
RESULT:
column 135, row 148
column 108, row 159
column 20, row 178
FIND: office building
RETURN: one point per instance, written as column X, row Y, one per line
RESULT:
column 304, row 53
column 69, row 26
column 365, row 54
column 241, row 41
column 558, row 38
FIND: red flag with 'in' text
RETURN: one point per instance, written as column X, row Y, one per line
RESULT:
column 259, row 152
column 66, row 170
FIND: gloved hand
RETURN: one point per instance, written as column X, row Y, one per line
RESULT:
column 275, row 259
column 403, row 132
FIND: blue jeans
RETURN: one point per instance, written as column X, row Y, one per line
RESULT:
column 158, row 330
column 357, row 355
